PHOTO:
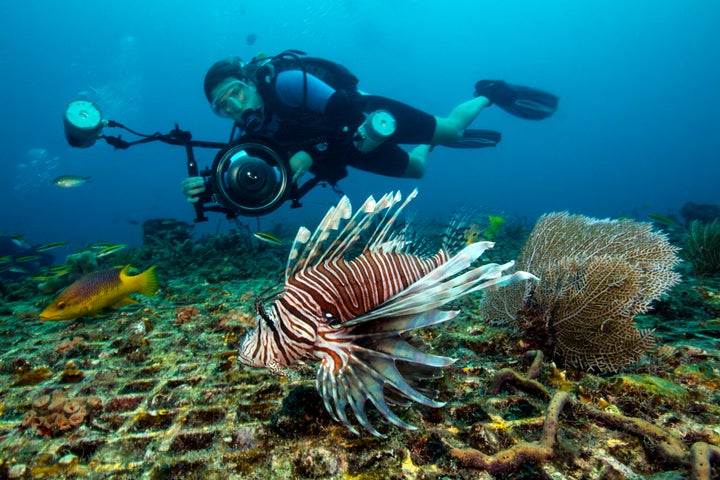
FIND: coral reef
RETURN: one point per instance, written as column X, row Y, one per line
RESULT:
column 54, row 414
column 702, row 247
column 662, row 442
column 703, row 212
column 163, row 232
column 596, row 276
column 174, row 403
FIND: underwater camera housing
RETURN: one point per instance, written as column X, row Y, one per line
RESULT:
column 250, row 176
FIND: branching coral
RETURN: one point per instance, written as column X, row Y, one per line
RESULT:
column 702, row 454
column 520, row 453
column 596, row 276
column 668, row 446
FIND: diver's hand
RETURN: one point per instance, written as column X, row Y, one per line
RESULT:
column 300, row 163
column 192, row 188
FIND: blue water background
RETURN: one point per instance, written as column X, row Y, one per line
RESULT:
column 637, row 131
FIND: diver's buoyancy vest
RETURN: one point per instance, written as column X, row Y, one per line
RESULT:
column 264, row 72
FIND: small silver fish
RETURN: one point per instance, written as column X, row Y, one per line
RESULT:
column 50, row 246
column 70, row 181
column 110, row 250
column 27, row 258
column 268, row 238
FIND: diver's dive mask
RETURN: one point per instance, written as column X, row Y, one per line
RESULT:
column 231, row 98
column 234, row 100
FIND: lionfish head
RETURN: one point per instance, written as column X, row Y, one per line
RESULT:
column 257, row 348
column 250, row 345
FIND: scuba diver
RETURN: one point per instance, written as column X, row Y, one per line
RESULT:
column 313, row 109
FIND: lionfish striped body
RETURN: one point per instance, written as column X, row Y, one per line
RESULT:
column 353, row 315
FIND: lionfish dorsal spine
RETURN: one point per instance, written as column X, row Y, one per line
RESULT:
column 307, row 247
column 301, row 238
column 386, row 227
column 351, row 232
column 453, row 238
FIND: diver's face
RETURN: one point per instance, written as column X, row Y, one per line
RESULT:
column 232, row 97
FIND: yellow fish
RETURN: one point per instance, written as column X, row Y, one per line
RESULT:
column 50, row 246
column 91, row 293
column 268, row 237
column 496, row 221
column 111, row 249
column 472, row 233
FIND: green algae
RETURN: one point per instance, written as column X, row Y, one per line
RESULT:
column 648, row 384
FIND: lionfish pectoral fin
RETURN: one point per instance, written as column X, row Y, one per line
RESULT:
column 358, row 398
column 441, row 286
column 392, row 377
column 332, row 387
column 505, row 280
column 368, row 371
column 370, row 323
column 399, row 349
column 372, row 382
column 339, row 391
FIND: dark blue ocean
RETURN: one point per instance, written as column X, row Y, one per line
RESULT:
column 636, row 132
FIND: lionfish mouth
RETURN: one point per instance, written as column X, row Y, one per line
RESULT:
column 371, row 301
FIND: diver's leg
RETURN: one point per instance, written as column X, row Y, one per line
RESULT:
column 416, row 163
column 450, row 128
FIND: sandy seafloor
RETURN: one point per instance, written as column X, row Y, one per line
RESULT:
column 155, row 391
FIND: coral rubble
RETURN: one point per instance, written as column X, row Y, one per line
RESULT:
column 156, row 392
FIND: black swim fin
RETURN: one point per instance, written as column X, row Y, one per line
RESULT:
column 524, row 102
column 473, row 138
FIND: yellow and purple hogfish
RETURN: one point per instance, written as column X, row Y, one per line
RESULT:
column 95, row 291
column 353, row 314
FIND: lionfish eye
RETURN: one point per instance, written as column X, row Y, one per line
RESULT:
column 331, row 320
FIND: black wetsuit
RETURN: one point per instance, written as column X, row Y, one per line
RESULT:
column 323, row 124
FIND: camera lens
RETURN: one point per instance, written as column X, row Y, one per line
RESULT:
column 251, row 177
column 248, row 176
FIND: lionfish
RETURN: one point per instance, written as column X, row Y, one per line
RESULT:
column 353, row 313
